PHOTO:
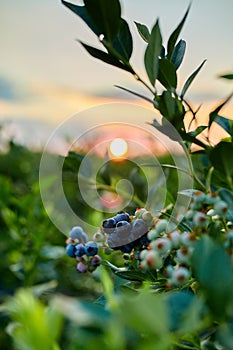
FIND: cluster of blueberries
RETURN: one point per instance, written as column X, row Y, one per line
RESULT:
column 121, row 232
column 84, row 252
column 125, row 232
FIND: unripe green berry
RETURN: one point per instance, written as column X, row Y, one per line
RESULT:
column 153, row 260
column 221, row 208
column 161, row 225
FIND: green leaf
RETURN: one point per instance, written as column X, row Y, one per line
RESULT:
column 178, row 303
column 190, row 79
column 166, row 129
column 123, row 43
column 167, row 74
column 105, row 57
column 220, row 157
column 213, row 115
column 225, row 123
column 227, row 76
column 83, row 313
column 178, row 53
column 152, row 53
column 106, row 16
column 135, row 275
column 147, row 314
column 81, row 11
column 198, row 130
column 167, row 105
column 212, row 267
column 174, row 36
column 143, row 31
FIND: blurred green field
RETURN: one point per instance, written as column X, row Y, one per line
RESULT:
column 32, row 249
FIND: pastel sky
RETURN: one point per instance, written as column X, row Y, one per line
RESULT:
column 46, row 76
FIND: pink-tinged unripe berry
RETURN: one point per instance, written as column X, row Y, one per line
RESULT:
column 188, row 239
column 199, row 197
column 212, row 198
column 161, row 245
column 221, row 208
column 98, row 237
column 153, row 260
column 183, row 255
column 175, row 238
column 153, row 234
column 180, row 276
column 81, row 267
column 200, row 219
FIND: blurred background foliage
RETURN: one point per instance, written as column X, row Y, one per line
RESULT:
column 32, row 249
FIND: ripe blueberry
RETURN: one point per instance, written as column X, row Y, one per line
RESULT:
column 70, row 250
column 123, row 227
column 109, row 225
column 80, row 251
column 122, row 217
column 91, row 248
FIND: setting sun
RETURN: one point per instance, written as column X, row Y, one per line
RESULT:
column 118, row 147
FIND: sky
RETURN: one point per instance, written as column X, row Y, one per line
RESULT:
column 46, row 76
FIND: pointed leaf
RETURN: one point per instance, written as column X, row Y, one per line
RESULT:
column 225, row 123
column 174, row 36
column 190, row 80
column 104, row 56
column 152, row 53
column 167, row 74
column 178, row 53
column 105, row 15
column 198, row 130
column 213, row 115
column 132, row 275
column 143, row 31
column 227, row 76
column 81, row 11
column 213, row 270
column 123, row 43
column 167, row 105
column 135, row 93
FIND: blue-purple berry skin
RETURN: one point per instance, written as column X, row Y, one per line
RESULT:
column 95, row 261
column 70, row 250
column 123, row 227
column 79, row 250
column 122, row 217
column 109, row 225
column 91, row 248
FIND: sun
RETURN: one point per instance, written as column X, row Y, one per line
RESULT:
column 118, row 147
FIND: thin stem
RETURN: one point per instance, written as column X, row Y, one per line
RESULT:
column 137, row 77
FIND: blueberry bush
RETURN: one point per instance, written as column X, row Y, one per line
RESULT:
column 166, row 282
